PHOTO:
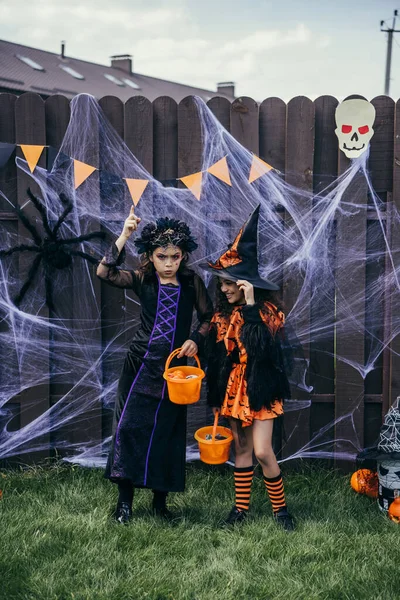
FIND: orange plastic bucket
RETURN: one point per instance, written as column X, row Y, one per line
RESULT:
column 182, row 390
column 212, row 451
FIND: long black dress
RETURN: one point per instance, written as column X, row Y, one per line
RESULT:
column 149, row 431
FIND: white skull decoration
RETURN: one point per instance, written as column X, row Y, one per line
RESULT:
column 354, row 122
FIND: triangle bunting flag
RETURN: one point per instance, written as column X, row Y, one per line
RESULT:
column 81, row 172
column 258, row 169
column 136, row 188
column 221, row 171
column 32, row 155
column 193, row 182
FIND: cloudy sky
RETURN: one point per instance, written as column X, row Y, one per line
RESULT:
column 268, row 48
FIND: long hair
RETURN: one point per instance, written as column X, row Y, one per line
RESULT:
column 147, row 268
column 261, row 297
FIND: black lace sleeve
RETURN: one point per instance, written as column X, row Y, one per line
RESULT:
column 204, row 309
column 109, row 272
column 219, row 366
column 265, row 372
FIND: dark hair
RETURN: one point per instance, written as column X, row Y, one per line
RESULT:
column 163, row 232
column 261, row 296
column 147, row 268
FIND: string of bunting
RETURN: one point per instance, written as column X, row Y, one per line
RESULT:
column 136, row 187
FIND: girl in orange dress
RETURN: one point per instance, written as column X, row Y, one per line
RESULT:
column 246, row 375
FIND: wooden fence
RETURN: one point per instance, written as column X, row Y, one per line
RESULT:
column 298, row 139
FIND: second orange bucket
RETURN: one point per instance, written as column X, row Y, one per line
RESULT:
column 184, row 383
column 214, row 451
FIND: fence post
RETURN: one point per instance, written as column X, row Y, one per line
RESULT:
column 30, row 128
column 299, row 172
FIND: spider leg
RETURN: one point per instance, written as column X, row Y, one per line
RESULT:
column 30, row 227
column 20, row 248
column 64, row 199
column 41, row 209
column 31, row 275
column 67, row 210
column 88, row 257
column 85, row 237
column 49, row 291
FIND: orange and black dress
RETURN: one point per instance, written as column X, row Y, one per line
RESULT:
column 246, row 376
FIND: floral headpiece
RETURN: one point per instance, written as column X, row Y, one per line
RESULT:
column 165, row 232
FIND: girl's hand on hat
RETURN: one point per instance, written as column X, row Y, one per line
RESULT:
column 131, row 224
column 189, row 348
column 248, row 289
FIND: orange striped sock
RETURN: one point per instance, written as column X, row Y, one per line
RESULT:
column 243, row 479
column 275, row 491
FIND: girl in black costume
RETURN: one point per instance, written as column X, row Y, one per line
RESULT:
column 246, row 375
column 149, row 431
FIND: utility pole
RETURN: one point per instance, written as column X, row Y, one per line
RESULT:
column 390, row 33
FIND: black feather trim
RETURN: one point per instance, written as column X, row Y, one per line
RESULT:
column 265, row 372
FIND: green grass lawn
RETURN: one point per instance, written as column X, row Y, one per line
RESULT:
column 59, row 542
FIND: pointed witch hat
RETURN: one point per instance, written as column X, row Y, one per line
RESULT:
column 388, row 447
column 240, row 261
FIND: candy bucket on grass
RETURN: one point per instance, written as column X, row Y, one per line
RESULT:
column 184, row 383
column 214, row 451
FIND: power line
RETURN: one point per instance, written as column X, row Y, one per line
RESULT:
column 390, row 31
column 396, row 42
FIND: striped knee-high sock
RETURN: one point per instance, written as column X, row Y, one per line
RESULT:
column 275, row 491
column 243, row 479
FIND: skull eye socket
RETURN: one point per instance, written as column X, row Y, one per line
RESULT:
column 363, row 130
column 346, row 128
column 383, row 471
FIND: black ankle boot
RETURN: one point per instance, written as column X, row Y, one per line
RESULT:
column 163, row 513
column 123, row 513
column 159, row 506
column 235, row 517
column 284, row 519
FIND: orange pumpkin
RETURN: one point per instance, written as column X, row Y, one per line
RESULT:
column 177, row 374
column 394, row 510
column 365, row 481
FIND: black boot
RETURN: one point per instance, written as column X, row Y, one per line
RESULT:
column 160, row 507
column 235, row 517
column 123, row 513
column 284, row 519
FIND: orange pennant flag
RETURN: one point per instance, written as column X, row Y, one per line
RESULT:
column 32, row 155
column 193, row 182
column 258, row 168
column 136, row 188
column 221, row 171
column 81, row 172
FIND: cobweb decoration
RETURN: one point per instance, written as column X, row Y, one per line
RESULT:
column 83, row 349
column 389, row 440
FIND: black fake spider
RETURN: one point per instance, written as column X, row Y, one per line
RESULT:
column 52, row 251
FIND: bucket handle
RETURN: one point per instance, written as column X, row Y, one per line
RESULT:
column 174, row 353
column 214, row 431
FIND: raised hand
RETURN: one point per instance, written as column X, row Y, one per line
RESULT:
column 131, row 223
column 248, row 289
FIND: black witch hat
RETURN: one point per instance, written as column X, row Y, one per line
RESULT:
column 240, row 261
column 388, row 447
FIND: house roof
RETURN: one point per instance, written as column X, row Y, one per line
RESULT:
column 17, row 76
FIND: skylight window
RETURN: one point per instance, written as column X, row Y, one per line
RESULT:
column 30, row 62
column 131, row 84
column 114, row 79
column 71, row 71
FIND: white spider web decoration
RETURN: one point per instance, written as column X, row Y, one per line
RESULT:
column 389, row 440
